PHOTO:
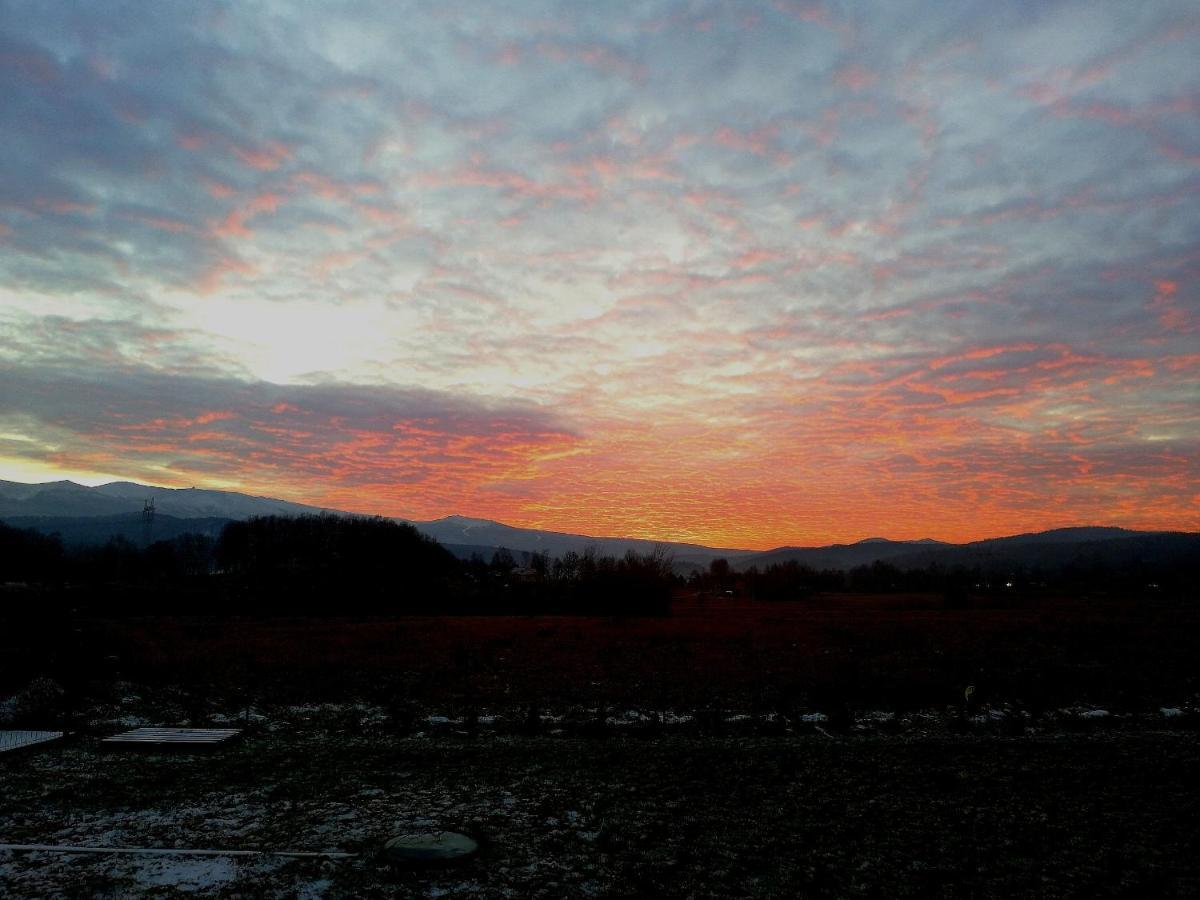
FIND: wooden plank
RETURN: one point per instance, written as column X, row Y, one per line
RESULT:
column 176, row 734
column 173, row 851
column 171, row 738
column 20, row 740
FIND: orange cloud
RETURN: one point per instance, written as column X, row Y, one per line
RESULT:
column 964, row 446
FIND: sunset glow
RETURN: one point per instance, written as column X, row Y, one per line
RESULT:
column 744, row 274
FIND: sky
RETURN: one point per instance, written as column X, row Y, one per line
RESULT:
column 744, row 273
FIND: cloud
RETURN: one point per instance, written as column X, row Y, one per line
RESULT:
column 718, row 241
column 382, row 447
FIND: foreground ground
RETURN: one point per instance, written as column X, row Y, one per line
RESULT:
column 849, row 746
column 1109, row 813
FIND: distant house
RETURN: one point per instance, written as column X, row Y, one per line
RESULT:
column 524, row 573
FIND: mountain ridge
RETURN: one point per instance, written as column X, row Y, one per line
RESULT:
column 114, row 506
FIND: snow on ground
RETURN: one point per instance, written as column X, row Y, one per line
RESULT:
column 235, row 800
column 183, row 873
column 314, row 890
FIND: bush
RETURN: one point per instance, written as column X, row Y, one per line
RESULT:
column 38, row 703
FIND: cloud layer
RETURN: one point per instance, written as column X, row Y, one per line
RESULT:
column 741, row 273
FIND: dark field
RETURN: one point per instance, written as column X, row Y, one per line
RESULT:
column 890, row 652
column 734, row 749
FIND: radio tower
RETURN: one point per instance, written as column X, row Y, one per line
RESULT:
column 147, row 521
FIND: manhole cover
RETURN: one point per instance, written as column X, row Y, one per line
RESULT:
column 431, row 848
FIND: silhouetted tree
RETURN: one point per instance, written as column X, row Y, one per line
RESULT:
column 336, row 563
column 503, row 561
column 27, row 555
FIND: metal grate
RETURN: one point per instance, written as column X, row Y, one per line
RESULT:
column 15, row 740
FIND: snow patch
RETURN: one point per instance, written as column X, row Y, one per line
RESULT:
column 186, row 874
column 628, row 717
column 314, row 890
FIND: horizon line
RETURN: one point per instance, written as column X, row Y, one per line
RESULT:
column 658, row 540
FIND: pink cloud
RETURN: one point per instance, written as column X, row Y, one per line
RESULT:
column 758, row 141
column 265, row 158
column 754, row 258
column 163, row 223
column 597, row 56
column 856, row 77
column 1171, row 315
column 35, row 65
column 64, row 207
column 219, row 190
column 214, row 276
column 815, row 12
column 234, row 224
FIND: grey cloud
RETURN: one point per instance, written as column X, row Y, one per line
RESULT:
column 353, row 434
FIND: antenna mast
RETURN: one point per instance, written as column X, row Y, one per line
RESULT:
column 147, row 521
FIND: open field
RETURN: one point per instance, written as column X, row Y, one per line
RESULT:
column 824, row 748
column 891, row 652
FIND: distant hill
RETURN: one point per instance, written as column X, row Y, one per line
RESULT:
column 84, row 531
column 463, row 536
column 1116, row 548
column 837, row 556
column 82, row 514
column 59, row 505
column 1058, row 547
column 68, row 499
column 1064, row 536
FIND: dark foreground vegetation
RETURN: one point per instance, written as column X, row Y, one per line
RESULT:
column 281, row 609
column 332, row 564
column 778, row 733
column 326, row 565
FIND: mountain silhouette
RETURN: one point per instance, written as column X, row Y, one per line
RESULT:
column 93, row 515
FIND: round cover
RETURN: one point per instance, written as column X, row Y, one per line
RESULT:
column 430, row 847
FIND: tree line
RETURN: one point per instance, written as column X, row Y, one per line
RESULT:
column 326, row 564
column 329, row 564
column 955, row 583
